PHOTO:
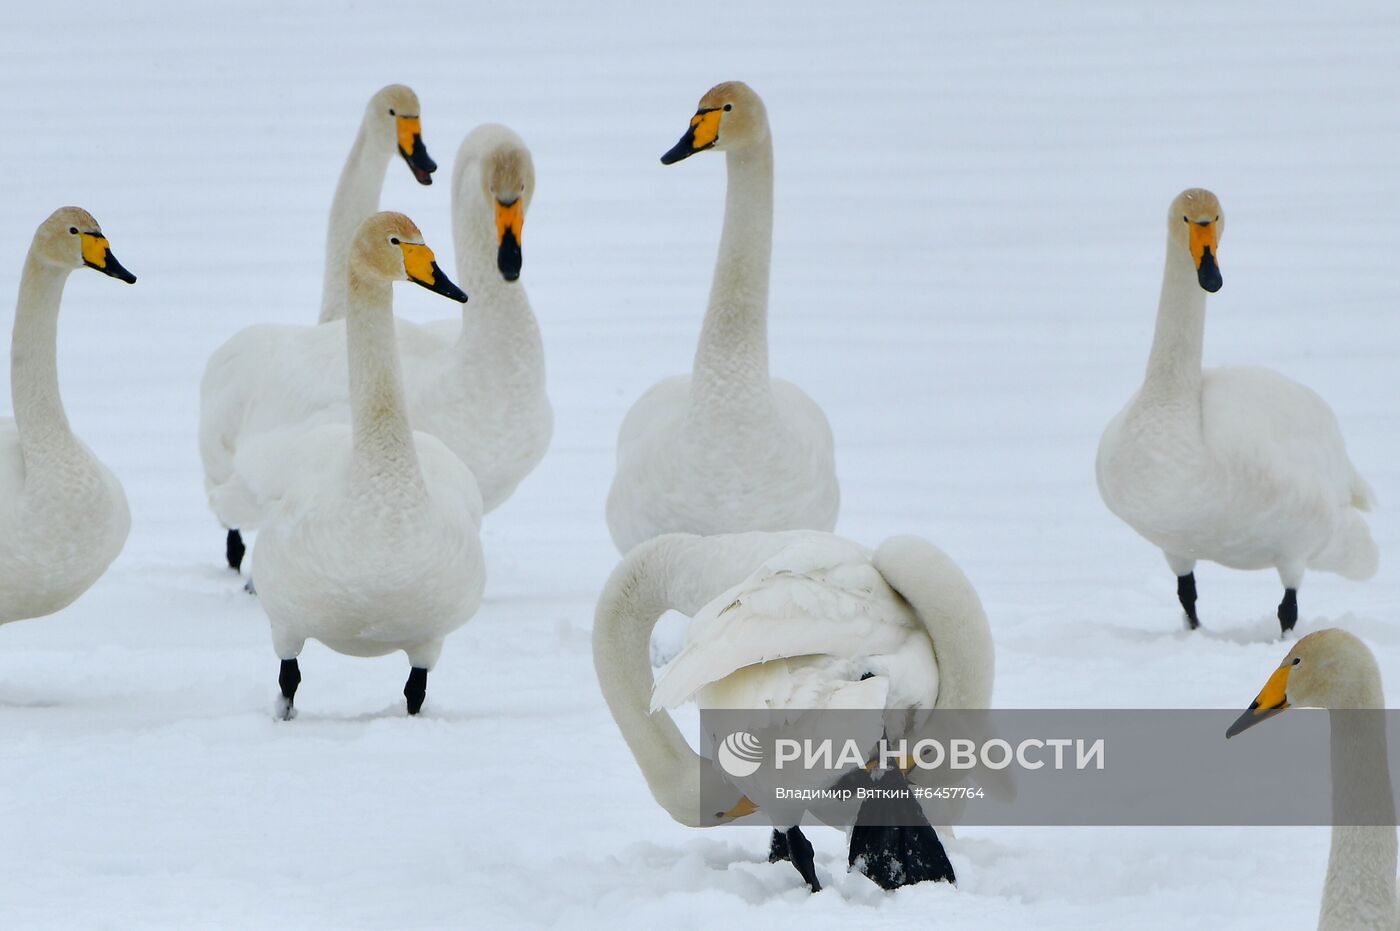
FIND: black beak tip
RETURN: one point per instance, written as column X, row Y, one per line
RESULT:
column 1208, row 273
column 509, row 258
column 680, row 151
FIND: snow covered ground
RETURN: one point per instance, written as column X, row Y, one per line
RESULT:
column 968, row 247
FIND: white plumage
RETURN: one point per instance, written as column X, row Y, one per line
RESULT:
column 1236, row 465
column 727, row 448
column 477, row 383
column 371, row 542
column 63, row 514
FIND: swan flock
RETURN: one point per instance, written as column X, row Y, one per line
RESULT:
column 351, row 460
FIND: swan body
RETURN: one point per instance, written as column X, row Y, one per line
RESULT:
column 391, row 123
column 727, row 448
column 372, row 541
column 63, row 514
column 476, row 383
column 796, row 620
column 1334, row 669
column 1237, row 465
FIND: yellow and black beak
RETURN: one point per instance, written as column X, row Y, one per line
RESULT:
column 422, row 268
column 413, row 151
column 1204, row 246
column 98, row 254
column 742, row 809
column 510, row 219
column 702, row 134
column 1272, row 700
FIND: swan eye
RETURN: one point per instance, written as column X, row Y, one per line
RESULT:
column 391, row 112
column 728, row 107
column 1297, row 660
column 73, row 230
column 1185, row 219
column 394, row 240
column 1217, row 218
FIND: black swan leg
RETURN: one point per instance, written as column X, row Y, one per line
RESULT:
column 800, row 853
column 288, row 678
column 416, row 689
column 1186, row 594
column 234, row 550
column 1288, row 610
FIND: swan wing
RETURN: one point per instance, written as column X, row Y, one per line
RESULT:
column 1274, row 429
column 818, row 596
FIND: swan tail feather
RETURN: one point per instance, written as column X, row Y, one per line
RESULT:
column 1352, row 553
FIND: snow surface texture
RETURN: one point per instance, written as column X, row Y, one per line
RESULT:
column 969, row 241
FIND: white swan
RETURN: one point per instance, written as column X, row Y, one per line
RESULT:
column 804, row 620
column 1335, row 670
column 373, row 542
column 476, row 382
column 1236, row 465
column 391, row 123
column 63, row 514
column 726, row 448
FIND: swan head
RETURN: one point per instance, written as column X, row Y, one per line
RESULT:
column 1195, row 223
column 393, row 116
column 730, row 116
column 389, row 246
column 1327, row 669
column 508, row 181
column 71, row 238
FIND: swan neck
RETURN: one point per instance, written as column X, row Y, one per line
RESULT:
column 1174, row 366
column 1360, row 886
column 39, row 415
column 356, row 199
column 383, row 438
column 730, row 377
column 635, row 598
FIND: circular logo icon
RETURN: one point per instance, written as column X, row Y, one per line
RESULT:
column 740, row 754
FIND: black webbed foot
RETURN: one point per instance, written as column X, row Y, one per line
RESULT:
column 893, row 844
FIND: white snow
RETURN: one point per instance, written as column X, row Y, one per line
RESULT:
column 969, row 237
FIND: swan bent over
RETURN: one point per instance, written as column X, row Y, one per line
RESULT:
column 1237, row 465
column 797, row 620
column 373, row 544
column 391, row 123
column 63, row 514
column 1333, row 669
column 475, row 382
column 727, row 448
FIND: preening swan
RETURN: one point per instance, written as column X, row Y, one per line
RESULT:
column 796, row 620
column 1335, row 670
column 726, row 448
column 1236, row 465
column 475, row 382
column 391, row 123
column 63, row 515
column 373, row 542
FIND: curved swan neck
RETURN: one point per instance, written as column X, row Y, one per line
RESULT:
column 635, row 598
column 39, row 415
column 383, row 438
column 1360, row 887
column 1174, row 367
column 730, row 375
column 356, row 198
